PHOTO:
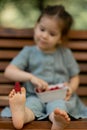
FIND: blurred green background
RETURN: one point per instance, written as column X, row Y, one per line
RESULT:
column 24, row 13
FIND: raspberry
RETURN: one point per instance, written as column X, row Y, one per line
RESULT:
column 54, row 88
column 17, row 87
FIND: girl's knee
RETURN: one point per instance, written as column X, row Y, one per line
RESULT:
column 35, row 104
column 61, row 104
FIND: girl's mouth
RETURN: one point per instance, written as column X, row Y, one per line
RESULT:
column 43, row 42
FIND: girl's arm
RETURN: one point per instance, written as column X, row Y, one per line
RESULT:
column 14, row 73
column 73, row 84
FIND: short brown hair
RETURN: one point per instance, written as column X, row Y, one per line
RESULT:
column 60, row 12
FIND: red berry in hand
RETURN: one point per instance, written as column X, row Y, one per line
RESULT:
column 57, row 87
column 51, row 89
column 17, row 87
column 54, row 88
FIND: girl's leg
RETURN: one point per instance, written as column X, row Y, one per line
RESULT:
column 20, row 113
column 59, row 119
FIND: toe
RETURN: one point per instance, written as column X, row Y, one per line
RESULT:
column 12, row 93
column 23, row 90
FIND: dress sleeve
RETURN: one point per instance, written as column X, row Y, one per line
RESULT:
column 21, row 60
column 70, row 62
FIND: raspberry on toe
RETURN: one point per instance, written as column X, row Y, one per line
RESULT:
column 17, row 87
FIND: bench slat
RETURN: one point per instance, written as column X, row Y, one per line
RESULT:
column 83, row 67
column 78, row 34
column 17, row 33
column 77, row 45
column 3, row 79
column 8, row 54
column 15, row 43
column 3, row 65
column 5, row 89
column 83, row 79
column 82, row 91
column 80, row 56
column 4, row 100
column 6, row 124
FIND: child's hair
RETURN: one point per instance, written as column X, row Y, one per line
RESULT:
column 59, row 12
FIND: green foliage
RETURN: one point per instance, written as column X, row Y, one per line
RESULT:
column 77, row 8
column 19, row 13
column 24, row 13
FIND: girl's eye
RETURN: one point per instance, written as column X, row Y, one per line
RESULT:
column 42, row 29
column 52, row 34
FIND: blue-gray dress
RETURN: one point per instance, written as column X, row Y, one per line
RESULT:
column 56, row 67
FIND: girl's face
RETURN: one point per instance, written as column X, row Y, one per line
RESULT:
column 47, row 34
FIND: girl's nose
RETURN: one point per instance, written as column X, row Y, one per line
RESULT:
column 45, row 35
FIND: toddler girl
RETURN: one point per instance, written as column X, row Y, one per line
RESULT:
column 46, row 63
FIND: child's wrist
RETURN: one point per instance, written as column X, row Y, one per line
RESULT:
column 71, row 89
column 30, row 77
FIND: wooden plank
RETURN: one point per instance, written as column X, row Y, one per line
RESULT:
column 84, row 100
column 78, row 34
column 82, row 91
column 4, row 101
column 42, row 125
column 17, row 33
column 15, row 43
column 8, row 54
column 80, row 56
column 3, row 65
column 83, row 67
column 5, row 89
column 83, row 79
column 3, row 79
column 77, row 45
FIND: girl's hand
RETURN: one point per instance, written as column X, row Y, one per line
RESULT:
column 39, row 83
column 69, row 91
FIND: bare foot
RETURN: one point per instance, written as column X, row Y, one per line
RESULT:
column 60, row 119
column 17, row 106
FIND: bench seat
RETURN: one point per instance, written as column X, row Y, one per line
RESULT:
column 6, row 124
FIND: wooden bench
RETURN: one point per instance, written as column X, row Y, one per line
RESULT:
column 11, row 42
